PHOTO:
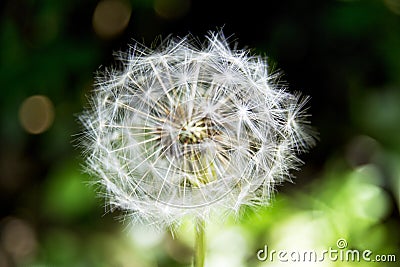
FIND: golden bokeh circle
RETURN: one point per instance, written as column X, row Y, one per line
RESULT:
column 171, row 9
column 36, row 114
column 111, row 17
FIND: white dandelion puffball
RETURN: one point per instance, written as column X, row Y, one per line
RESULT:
column 189, row 129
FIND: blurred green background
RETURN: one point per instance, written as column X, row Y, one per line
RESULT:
column 344, row 54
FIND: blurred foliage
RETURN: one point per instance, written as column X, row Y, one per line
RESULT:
column 345, row 54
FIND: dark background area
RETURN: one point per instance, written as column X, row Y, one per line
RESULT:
column 344, row 54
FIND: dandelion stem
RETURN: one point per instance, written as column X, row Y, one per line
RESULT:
column 200, row 247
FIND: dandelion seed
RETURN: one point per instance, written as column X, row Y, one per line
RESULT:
column 187, row 130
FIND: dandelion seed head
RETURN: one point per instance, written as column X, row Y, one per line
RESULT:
column 186, row 130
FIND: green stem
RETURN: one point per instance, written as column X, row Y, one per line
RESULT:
column 200, row 248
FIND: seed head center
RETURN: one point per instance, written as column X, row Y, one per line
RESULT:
column 193, row 132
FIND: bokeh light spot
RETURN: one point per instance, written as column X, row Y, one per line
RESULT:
column 36, row 114
column 111, row 17
column 18, row 239
column 3, row 259
column 171, row 9
column 393, row 5
column 361, row 150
